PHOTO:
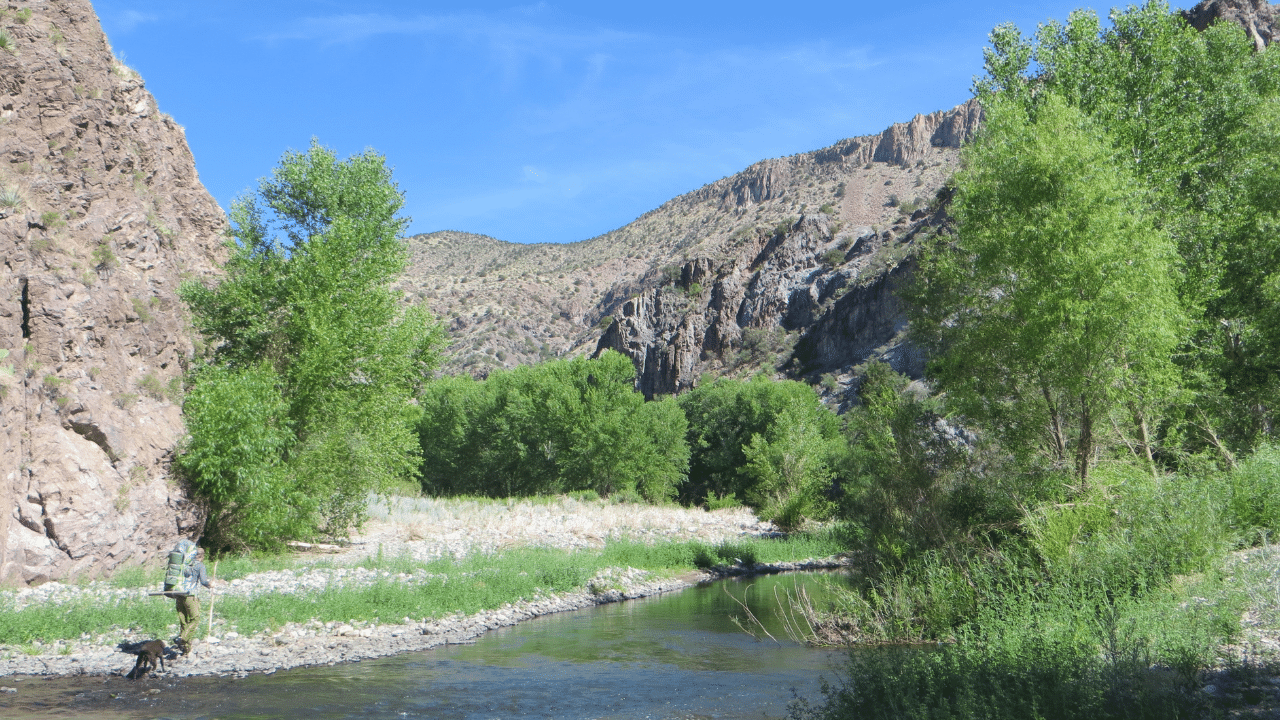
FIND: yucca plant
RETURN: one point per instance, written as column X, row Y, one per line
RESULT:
column 7, row 43
column 10, row 198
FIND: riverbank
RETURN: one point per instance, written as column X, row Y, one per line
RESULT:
column 409, row 532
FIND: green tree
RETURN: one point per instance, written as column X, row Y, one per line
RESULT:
column 557, row 427
column 770, row 444
column 311, row 315
column 1054, row 310
column 1189, row 115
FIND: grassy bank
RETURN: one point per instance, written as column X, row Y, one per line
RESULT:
column 1125, row 601
column 399, row 587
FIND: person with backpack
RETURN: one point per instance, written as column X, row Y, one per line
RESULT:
column 184, row 572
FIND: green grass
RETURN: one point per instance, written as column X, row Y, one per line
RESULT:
column 468, row 585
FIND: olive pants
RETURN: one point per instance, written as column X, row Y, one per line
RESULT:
column 188, row 616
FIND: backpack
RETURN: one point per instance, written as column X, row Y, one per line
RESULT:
column 177, row 575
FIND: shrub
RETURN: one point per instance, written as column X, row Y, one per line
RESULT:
column 23, row 16
column 1253, row 507
column 52, row 219
column 104, row 258
column 833, row 257
column 7, row 43
column 10, row 198
column 142, row 308
column 151, row 386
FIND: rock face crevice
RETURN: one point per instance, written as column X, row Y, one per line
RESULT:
column 111, row 218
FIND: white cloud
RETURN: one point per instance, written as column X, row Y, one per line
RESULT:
column 130, row 19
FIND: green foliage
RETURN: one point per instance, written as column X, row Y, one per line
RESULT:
column 239, row 433
column 52, row 219
column 142, row 308
column 1055, row 307
column 151, row 386
column 772, row 444
column 833, row 257
column 1253, row 504
column 23, row 16
column 104, row 258
column 309, row 334
column 561, row 426
column 1192, row 116
column 905, row 485
column 10, row 198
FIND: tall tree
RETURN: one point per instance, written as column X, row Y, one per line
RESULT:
column 306, row 326
column 1186, row 113
column 1054, row 309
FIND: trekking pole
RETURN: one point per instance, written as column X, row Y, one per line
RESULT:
column 212, row 595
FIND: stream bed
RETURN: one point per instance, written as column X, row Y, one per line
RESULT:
column 678, row 655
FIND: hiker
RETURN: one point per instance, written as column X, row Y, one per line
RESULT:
column 184, row 572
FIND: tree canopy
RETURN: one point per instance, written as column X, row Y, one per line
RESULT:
column 311, row 345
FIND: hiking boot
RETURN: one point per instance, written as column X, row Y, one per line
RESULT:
column 183, row 646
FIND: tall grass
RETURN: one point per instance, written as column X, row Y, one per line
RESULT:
column 1110, row 604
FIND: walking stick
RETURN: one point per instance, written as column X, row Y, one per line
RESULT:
column 212, row 595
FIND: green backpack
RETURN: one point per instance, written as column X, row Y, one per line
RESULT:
column 177, row 575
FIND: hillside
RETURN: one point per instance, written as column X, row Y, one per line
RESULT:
column 101, row 216
column 755, row 248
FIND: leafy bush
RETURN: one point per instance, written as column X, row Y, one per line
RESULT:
column 772, row 444
column 558, row 427
column 833, row 257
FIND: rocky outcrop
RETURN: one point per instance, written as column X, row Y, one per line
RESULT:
column 101, row 217
column 1257, row 17
column 810, row 297
column 901, row 144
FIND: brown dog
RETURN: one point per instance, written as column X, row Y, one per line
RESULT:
column 149, row 653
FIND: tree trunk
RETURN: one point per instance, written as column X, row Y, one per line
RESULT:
column 1085, row 449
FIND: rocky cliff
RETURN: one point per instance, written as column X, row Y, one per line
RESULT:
column 725, row 279
column 101, row 216
column 787, row 266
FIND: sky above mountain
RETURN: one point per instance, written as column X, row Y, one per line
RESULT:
column 554, row 121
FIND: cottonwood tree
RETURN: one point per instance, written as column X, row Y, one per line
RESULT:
column 1190, row 115
column 1055, row 307
column 562, row 426
column 304, row 404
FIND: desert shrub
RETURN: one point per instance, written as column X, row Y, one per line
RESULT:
column 151, row 386
column 10, row 198
column 833, row 257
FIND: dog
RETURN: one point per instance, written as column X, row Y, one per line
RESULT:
column 149, row 654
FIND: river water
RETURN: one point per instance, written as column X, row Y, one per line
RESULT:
column 673, row 656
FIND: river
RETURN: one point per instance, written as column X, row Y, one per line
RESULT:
column 673, row 656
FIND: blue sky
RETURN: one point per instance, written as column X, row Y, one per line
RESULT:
column 553, row 121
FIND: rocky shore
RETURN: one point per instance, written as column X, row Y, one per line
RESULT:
column 422, row 529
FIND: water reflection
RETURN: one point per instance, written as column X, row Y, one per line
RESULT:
column 675, row 656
